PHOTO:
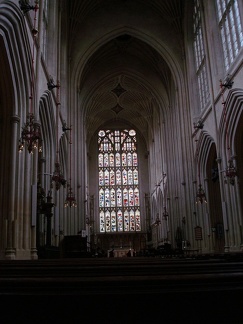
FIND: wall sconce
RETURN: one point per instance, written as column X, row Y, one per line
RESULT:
column 165, row 214
column 51, row 84
column 157, row 221
column 26, row 7
column 198, row 125
column 200, row 197
column 228, row 83
column 65, row 128
column 231, row 172
column 58, row 177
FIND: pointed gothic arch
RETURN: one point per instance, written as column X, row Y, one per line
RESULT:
column 212, row 217
column 14, row 92
column 232, row 134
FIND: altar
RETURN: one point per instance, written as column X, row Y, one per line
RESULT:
column 120, row 252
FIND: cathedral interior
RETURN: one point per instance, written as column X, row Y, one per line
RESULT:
column 121, row 136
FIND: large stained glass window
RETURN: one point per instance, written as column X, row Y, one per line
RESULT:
column 119, row 207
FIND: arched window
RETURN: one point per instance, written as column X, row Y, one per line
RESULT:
column 45, row 27
column 200, row 56
column 230, row 29
column 119, row 206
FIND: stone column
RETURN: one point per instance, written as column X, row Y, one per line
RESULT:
column 224, row 204
column 33, row 248
column 10, row 250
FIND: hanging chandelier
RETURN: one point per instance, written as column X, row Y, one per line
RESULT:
column 200, row 196
column 231, row 172
column 30, row 135
column 70, row 199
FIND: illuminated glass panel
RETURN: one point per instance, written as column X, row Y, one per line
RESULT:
column 106, row 160
column 137, row 216
column 119, row 206
column 108, row 221
column 101, row 178
column 125, row 197
column 135, row 176
column 118, row 177
column 113, row 198
column 101, row 194
column 120, row 220
column 106, row 177
column 118, row 162
column 126, row 221
column 135, row 161
column 113, row 221
column 107, row 198
column 130, row 177
column 132, row 221
column 129, row 159
column 124, row 177
column 102, row 221
column 112, row 160
column 112, row 177
column 230, row 29
column 131, row 197
column 100, row 160
column 136, row 198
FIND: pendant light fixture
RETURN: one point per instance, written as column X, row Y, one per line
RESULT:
column 200, row 195
column 70, row 199
column 165, row 213
column 31, row 134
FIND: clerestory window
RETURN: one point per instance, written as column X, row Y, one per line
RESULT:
column 230, row 29
column 45, row 28
column 119, row 202
column 200, row 57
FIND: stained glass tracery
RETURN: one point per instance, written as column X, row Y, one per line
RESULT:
column 119, row 207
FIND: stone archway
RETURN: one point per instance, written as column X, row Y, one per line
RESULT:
column 232, row 139
column 8, row 123
column 239, row 158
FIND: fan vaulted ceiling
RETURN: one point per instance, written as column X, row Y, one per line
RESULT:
column 122, row 74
